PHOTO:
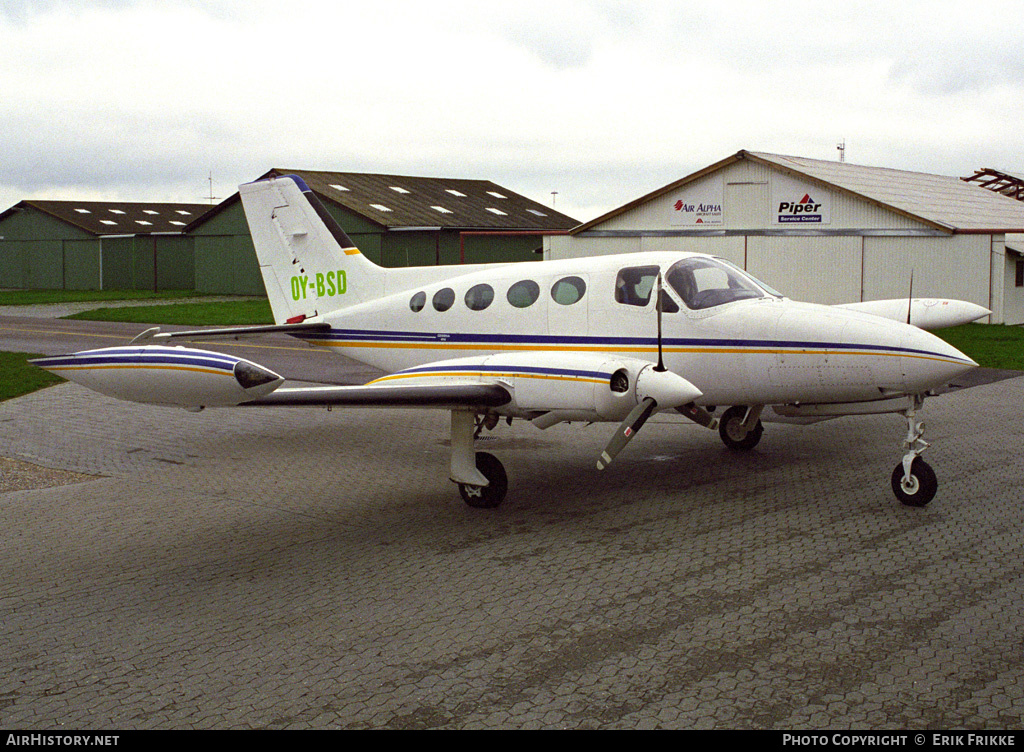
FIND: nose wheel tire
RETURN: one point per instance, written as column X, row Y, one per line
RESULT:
column 919, row 488
column 734, row 434
column 489, row 496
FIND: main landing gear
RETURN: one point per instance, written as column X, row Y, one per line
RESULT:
column 740, row 427
column 913, row 480
column 480, row 476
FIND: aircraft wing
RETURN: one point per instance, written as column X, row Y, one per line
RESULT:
column 439, row 396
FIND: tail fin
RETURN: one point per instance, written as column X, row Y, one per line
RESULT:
column 309, row 265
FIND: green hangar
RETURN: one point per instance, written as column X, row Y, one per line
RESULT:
column 395, row 220
column 93, row 245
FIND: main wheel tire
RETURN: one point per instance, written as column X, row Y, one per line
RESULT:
column 734, row 436
column 920, row 487
column 489, row 496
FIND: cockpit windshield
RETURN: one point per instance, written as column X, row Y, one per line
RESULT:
column 707, row 282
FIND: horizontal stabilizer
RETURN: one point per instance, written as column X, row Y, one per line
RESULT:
column 235, row 332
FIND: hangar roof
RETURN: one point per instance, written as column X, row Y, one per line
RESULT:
column 945, row 203
column 404, row 202
column 395, row 201
column 117, row 217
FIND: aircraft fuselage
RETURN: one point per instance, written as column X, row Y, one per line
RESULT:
column 758, row 349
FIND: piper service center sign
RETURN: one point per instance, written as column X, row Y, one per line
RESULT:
column 794, row 202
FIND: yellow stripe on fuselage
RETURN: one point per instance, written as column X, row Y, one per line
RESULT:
column 617, row 349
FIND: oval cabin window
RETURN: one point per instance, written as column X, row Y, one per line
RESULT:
column 568, row 290
column 478, row 297
column 444, row 299
column 523, row 294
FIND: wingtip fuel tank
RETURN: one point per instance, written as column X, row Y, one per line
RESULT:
column 159, row 375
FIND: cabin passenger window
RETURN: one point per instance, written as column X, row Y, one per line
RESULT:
column 633, row 285
column 444, row 299
column 523, row 294
column 479, row 297
column 418, row 301
column 568, row 290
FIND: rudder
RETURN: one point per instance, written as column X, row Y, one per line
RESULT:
column 309, row 264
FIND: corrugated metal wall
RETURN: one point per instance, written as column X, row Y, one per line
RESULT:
column 862, row 252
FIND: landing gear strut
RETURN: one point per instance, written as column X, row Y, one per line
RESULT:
column 913, row 480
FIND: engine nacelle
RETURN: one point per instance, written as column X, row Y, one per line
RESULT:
column 564, row 386
column 159, row 375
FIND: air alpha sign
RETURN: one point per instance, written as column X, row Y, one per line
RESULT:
column 794, row 202
column 698, row 206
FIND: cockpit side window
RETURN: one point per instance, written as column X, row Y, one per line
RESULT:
column 706, row 283
column 633, row 285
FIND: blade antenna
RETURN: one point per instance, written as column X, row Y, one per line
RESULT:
column 658, row 306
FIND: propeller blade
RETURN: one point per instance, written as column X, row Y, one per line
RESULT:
column 626, row 431
column 658, row 306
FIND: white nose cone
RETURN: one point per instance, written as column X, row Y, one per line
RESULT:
column 928, row 362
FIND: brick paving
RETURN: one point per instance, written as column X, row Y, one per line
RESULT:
column 313, row 569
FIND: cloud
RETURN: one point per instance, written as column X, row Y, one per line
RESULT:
column 596, row 99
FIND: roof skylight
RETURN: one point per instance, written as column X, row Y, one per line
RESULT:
column 441, row 209
column 116, row 211
column 454, row 192
column 337, row 187
column 183, row 213
column 380, row 207
column 108, row 222
column 83, row 211
column 398, row 189
column 499, row 212
column 143, row 222
column 495, row 194
column 150, row 211
column 537, row 213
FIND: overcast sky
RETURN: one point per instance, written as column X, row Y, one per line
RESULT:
column 599, row 100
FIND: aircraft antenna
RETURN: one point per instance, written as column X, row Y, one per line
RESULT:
column 910, row 297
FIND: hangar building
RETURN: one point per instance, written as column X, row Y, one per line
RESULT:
column 829, row 232
column 394, row 220
column 92, row 245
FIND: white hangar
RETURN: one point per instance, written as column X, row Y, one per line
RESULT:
column 829, row 232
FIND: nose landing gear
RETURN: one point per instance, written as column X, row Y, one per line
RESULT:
column 913, row 480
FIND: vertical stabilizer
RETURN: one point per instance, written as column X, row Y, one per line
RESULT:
column 309, row 265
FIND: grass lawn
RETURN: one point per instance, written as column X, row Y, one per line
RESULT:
column 229, row 313
column 991, row 345
column 17, row 377
column 42, row 297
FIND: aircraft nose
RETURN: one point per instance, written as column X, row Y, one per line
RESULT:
column 929, row 361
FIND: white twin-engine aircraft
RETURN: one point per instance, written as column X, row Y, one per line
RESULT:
column 610, row 339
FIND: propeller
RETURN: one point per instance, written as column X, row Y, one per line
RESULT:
column 655, row 386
